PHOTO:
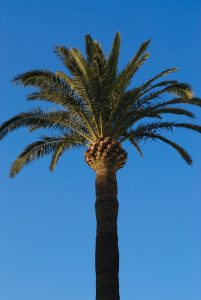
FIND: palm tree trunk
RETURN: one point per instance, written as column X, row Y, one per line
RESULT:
column 107, row 253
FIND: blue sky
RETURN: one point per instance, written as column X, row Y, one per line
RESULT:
column 47, row 220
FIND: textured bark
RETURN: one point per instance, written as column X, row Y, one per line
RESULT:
column 107, row 253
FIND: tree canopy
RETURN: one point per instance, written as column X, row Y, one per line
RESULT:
column 97, row 100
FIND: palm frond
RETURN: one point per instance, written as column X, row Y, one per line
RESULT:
column 89, row 48
column 164, row 83
column 113, row 57
column 43, row 147
column 151, row 112
column 66, row 78
column 37, row 119
column 181, row 89
column 153, row 127
column 57, row 154
column 78, row 61
column 183, row 153
column 108, row 76
column 55, row 89
column 132, row 96
column 64, row 55
column 193, row 101
column 135, row 108
column 145, row 129
column 99, row 57
column 124, row 115
column 161, row 74
column 32, row 152
column 82, row 82
column 123, row 79
column 125, row 76
column 172, row 110
column 136, row 145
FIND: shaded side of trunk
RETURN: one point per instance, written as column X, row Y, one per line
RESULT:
column 107, row 253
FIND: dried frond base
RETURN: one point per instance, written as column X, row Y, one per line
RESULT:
column 106, row 152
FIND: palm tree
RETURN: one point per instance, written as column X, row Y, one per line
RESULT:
column 97, row 110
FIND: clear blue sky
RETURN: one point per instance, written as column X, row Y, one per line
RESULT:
column 47, row 220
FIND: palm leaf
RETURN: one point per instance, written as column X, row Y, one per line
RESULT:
column 161, row 74
column 183, row 153
column 113, row 57
column 43, row 147
column 57, row 90
column 57, row 154
column 89, row 48
column 173, row 110
column 64, row 55
column 36, row 119
column 66, row 78
column 32, row 152
column 192, row 101
column 135, row 144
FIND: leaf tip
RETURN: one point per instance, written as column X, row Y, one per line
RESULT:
column 12, row 174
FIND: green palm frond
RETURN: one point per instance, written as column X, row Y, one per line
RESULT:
column 66, row 78
column 154, row 127
column 182, row 90
column 32, row 152
column 69, row 61
column 150, row 112
column 136, row 145
column 135, row 98
column 83, row 89
column 193, row 101
column 130, row 97
column 89, row 48
column 40, row 79
column 85, row 79
column 157, row 112
column 165, row 84
column 138, row 107
column 50, row 86
column 123, row 79
column 37, row 119
column 173, row 110
column 57, row 154
column 78, row 61
column 129, row 118
column 55, row 89
column 99, row 57
column 156, row 77
column 126, row 75
column 28, row 119
column 112, row 63
column 183, row 153
column 45, row 146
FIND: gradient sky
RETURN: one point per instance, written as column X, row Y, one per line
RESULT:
column 47, row 220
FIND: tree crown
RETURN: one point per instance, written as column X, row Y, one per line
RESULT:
column 95, row 101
